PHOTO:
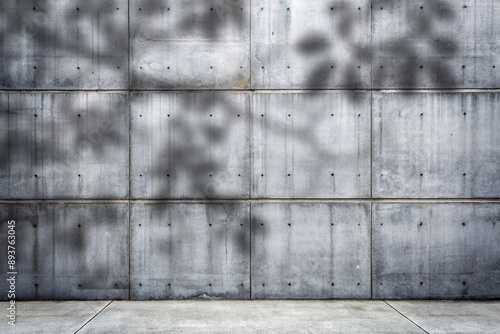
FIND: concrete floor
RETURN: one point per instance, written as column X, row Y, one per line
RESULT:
column 254, row 317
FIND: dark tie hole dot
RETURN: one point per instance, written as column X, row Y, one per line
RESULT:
column 333, row 284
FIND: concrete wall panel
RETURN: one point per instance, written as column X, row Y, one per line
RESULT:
column 436, row 44
column 310, row 250
column 190, row 44
column 63, row 145
column 67, row 251
column 190, row 145
column 190, row 250
column 64, row 44
column 436, row 250
column 311, row 145
column 311, row 44
column 435, row 145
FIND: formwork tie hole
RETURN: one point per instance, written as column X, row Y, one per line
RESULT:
column 238, row 115
column 333, row 284
column 289, row 174
column 261, row 175
column 421, row 283
column 209, row 224
column 421, row 66
column 262, row 115
column 140, row 224
column 332, row 174
column 169, row 285
column 463, row 283
column 79, row 225
column 35, row 115
column 263, row 284
column 464, row 174
column 289, row 224
column 289, row 284
column 421, row 174
column 140, row 175
column 168, row 224
column 359, row 283
column 168, row 175
column 79, row 175
column 79, row 115
column 465, row 114
column 168, row 67
column 78, row 68
column 34, row 67
column 36, row 285
column 463, row 224
column 34, row 225
column 36, row 175
column 116, row 285
column 140, row 8
column 209, row 284
column 261, row 224
column 34, row 8
column 77, row 8
column 140, row 284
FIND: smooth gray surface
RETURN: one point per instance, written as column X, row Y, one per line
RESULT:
column 190, row 44
column 51, row 317
column 300, row 249
column 190, row 145
column 300, row 139
column 51, row 45
column 436, row 145
column 436, row 250
column 75, row 143
column 67, row 251
column 296, row 43
column 435, row 44
column 452, row 316
column 190, row 250
column 250, row 317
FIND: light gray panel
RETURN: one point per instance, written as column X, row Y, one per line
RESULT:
column 311, row 44
column 190, row 250
column 311, row 145
column 436, row 250
column 190, row 145
column 64, row 145
column 438, row 43
column 67, row 251
column 310, row 250
column 64, row 44
column 190, row 44
column 435, row 145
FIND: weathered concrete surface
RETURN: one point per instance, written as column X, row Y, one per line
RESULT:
column 50, row 317
column 311, row 44
column 250, row 317
column 311, row 145
column 64, row 44
column 452, row 316
column 63, row 145
column 436, row 250
column 67, row 251
column 190, row 44
column 190, row 250
column 436, row 44
column 310, row 250
column 436, row 145
column 190, row 145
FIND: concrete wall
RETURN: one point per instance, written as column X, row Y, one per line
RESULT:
column 251, row 149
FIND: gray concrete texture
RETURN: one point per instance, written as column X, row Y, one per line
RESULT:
column 254, row 317
column 189, row 251
column 436, row 250
column 226, row 140
column 67, row 251
column 63, row 145
column 217, row 44
column 190, row 145
column 310, row 250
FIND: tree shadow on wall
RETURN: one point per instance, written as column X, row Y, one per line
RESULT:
column 195, row 160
